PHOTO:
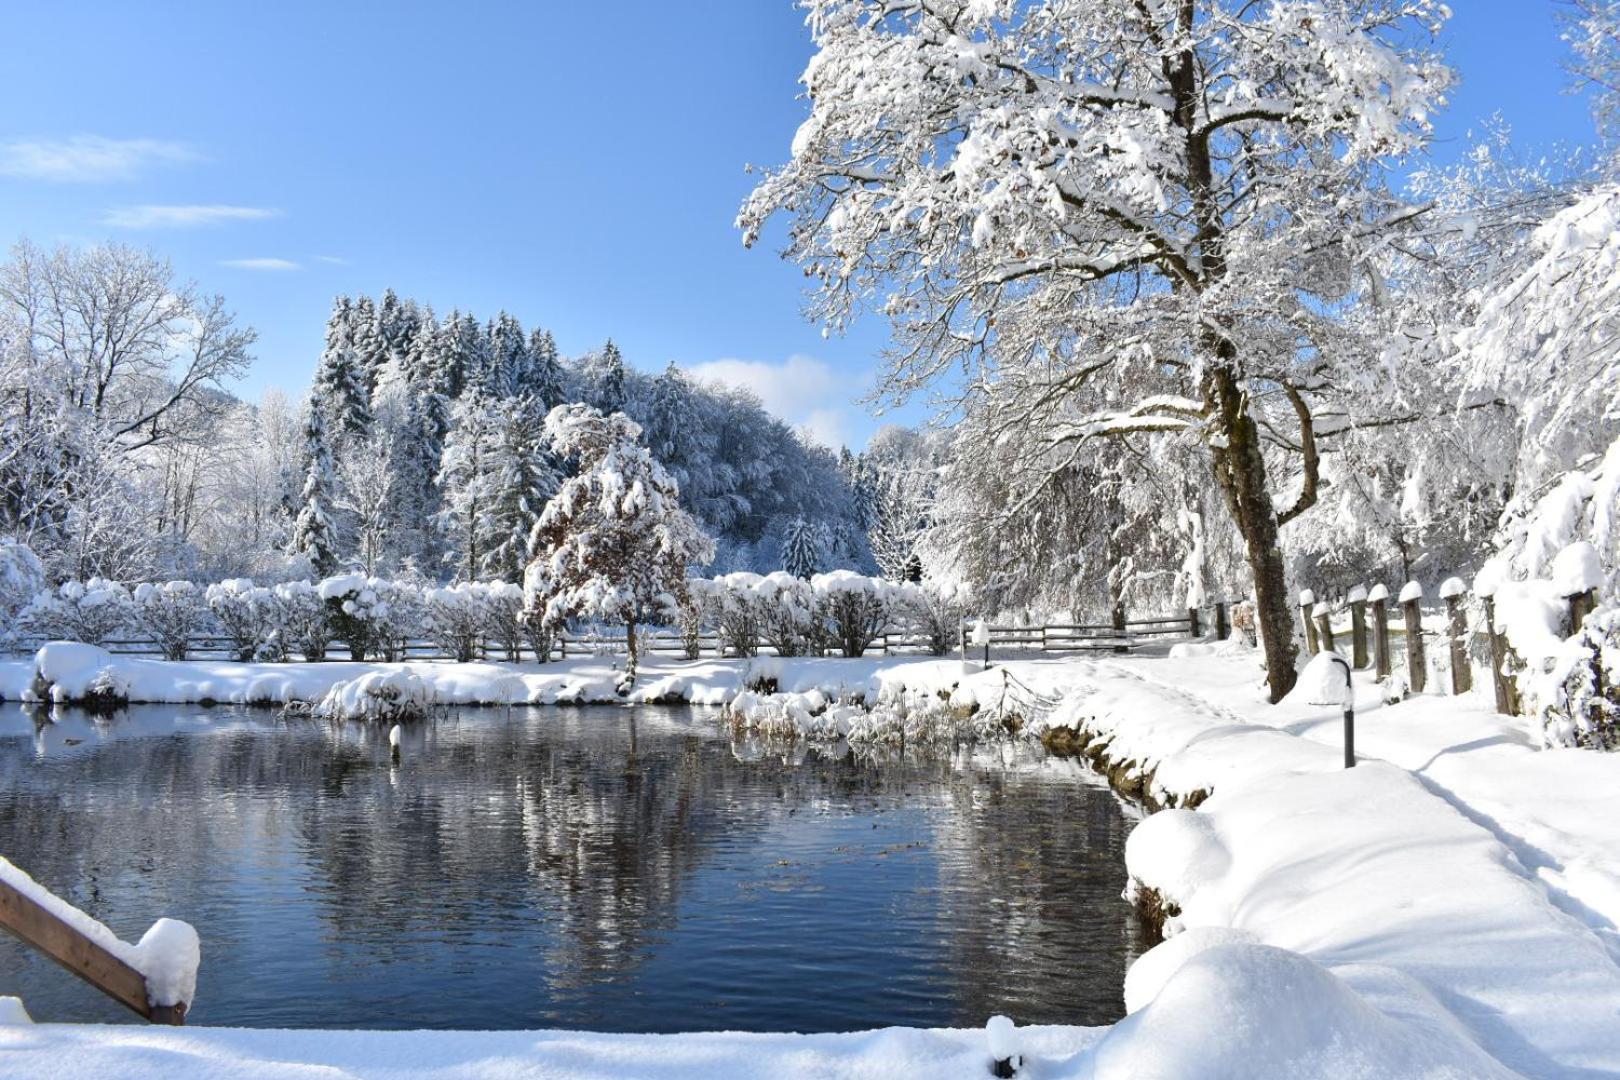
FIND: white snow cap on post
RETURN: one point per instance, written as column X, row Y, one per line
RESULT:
column 1576, row 569
column 1452, row 586
column 1411, row 591
column 1003, row 1037
column 1488, row 580
column 1319, row 610
column 1358, row 595
column 1325, row 681
column 1377, row 593
column 981, row 632
column 1306, row 597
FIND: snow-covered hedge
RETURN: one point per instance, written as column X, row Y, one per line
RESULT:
column 85, row 611
column 171, row 614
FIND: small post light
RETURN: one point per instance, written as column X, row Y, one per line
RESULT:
column 1002, row 1035
column 981, row 637
column 1348, row 703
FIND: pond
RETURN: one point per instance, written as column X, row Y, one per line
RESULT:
column 599, row 868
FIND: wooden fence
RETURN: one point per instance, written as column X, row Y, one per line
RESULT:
column 1122, row 634
column 1320, row 633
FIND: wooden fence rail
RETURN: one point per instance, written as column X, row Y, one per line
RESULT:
column 36, row 925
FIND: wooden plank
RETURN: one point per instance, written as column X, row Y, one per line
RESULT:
column 35, row 925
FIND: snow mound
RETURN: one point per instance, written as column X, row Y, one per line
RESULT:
column 72, row 670
column 12, row 1011
column 1148, row 974
column 1577, row 569
column 1176, row 852
column 1244, row 1010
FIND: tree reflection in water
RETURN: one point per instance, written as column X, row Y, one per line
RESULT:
column 596, row 868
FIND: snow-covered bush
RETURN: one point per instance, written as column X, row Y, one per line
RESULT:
column 170, row 614
column 22, row 577
column 693, row 611
column 359, row 609
column 539, row 625
column 1584, row 707
column 737, row 608
column 788, row 618
column 398, row 619
column 85, row 611
column 504, row 608
column 301, row 622
column 457, row 617
column 381, row 696
column 855, row 607
column 936, row 610
column 246, row 614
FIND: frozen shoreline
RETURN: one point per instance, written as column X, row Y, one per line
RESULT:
column 1421, row 915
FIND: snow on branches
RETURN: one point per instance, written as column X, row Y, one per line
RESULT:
column 616, row 542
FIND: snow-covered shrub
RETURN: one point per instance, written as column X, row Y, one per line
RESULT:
column 358, row 608
column 504, row 603
column 1584, row 708
column 170, row 614
column 693, row 610
column 381, row 696
column 84, row 611
column 737, row 609
column 936, row 610
column 399, row 619
column 302, row 624
column 856, row 608
column 246, row 614
column 539, row 626
column 22, row 577
column 457, row 618
column 787, row 614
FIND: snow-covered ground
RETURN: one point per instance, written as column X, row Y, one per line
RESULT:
column 1448, row 908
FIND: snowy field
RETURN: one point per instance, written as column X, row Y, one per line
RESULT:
column 1448, row 908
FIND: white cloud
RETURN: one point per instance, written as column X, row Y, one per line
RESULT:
column 261, row 264
column 182, row 217
column 332, row 260
column 88, row 158
column 802, row 390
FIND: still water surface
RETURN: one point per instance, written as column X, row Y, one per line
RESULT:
column 602, row 868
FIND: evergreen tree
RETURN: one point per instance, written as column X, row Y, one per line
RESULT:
column 339, row 389
column 606, row 379
column 802, row 548
column 508, row 358
column 314, row 535
column 521, row 477
column 466, row 485
column 370, row 348
column 544, row 378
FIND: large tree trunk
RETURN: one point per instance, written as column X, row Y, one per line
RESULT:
column 631, row 657
column 1241, row 468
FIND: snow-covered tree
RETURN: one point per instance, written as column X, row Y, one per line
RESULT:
column 314, row 534
column 614, row 542
column 508, row 358
column 605, row 379
column 340, row 391
column 170, row 613
column 544, row 381
column 467, row 484
column 522, row 477
column 804, row 547
column 1117, row 216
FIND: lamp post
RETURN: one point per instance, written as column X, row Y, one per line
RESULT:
column 981, row 637
column 1347, row 701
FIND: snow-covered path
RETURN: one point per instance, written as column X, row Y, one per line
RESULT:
column 1557, row 810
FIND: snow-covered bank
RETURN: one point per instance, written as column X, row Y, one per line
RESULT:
column 49, row 1051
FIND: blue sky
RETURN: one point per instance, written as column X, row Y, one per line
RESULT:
column 577, row 164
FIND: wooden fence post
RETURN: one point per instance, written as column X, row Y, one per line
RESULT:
column 1378, row 597
column 1417, row 672
column 1507, row 695
column 1223, row 625
column 1452, row 591
column 1194, row 625
column 1323, row 612
column 1358, row 627
column 1119, row 628
column 1307, row 600
column 34, row 924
